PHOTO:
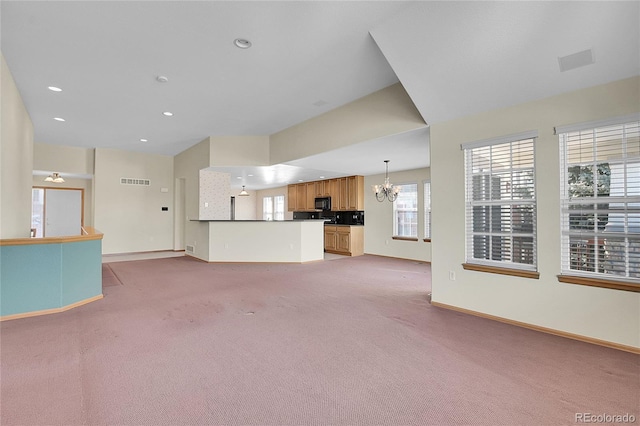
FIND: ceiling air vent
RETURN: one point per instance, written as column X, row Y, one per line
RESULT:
column 132, row 181
column 576, row 60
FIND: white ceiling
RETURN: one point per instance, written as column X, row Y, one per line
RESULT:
column 453, row 58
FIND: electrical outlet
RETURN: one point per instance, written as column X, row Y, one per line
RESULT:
column 452, row 276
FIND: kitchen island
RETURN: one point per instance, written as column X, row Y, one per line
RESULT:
column 288, row 241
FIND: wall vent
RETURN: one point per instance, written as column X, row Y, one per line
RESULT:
column 576, row 60
column 189, row 249
column 132, row 181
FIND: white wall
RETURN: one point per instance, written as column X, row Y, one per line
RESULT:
column 386, row 112
column 85, row 184
column 67, row 160
column 16, row 159
column 63, row 159
column 276, row 241
column 378, row 219
column 599, row 313
column 246, row 206
column 239, row 151
column 187, row 166
column 272, row 192
column 131, row 216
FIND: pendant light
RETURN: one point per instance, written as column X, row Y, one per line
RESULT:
column 386, row 190
column 55, row 178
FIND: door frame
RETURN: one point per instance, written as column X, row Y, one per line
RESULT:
column 44, row 203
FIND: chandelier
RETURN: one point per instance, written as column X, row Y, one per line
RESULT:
column 244, row 192
column 55, row 178
column 386, row 190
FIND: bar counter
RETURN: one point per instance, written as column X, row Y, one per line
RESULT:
column 288, row 241
column 48, row 275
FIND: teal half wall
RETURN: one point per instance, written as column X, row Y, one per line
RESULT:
column 49, row 277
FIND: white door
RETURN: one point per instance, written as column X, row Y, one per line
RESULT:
column 63, row 212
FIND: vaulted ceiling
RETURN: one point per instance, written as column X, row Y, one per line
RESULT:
column 307, row 57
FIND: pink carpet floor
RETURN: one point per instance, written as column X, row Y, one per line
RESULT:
column 352, row 341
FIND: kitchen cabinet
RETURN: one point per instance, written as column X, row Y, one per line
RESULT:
column 330, row 238
column 334, row 192
column 346, row 240
column 311, row 196
column 292, row 196
column 355, row 193
column 301, row 197
column 323, row 188
column 343, row 195
column 347, row 194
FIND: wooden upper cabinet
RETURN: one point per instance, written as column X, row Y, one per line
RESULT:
column 343, row 194
column 301, row 197
column 334, row 190
column 311, row 195
column 323, row 188
column 355, row 193
column 346, row 194
column 292, row 196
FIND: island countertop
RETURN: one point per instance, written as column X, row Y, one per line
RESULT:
column 287, row 241
column 257, row 220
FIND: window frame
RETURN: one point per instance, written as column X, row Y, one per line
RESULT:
column 511, row 204
column 601, row 204
column 426, row 197
column 395, row 234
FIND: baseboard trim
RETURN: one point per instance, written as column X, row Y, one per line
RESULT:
column 428, row 262
column 555, row 332
column 50, row 311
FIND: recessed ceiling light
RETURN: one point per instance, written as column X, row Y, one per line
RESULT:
column 300, row 180
column 54, row 89
column 250, row 175
column 144, row 140
column 239, row 177
column 242, row 43
column 167, row 113
column 58, row 119
column 321, row 177
column 162, row 79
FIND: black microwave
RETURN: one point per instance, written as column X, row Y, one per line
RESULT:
column 323, row 203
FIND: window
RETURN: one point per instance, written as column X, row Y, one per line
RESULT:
column 273, row 208
column 427, row 210
column 501, row 203
column 600, row 200
column 405, row 212
column 267, row 208
column 278, row 207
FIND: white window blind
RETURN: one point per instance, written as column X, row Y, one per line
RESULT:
column 501, row 203
column 278, row 210
column 600, row 201
column 427, row 209
column 405, row 212
column 267, row 208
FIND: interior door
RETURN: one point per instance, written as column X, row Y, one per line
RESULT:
column 63, row 212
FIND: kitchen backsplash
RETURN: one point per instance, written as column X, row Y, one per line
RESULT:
column 340, row 218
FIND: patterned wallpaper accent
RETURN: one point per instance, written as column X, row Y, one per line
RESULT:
column 215, row 190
